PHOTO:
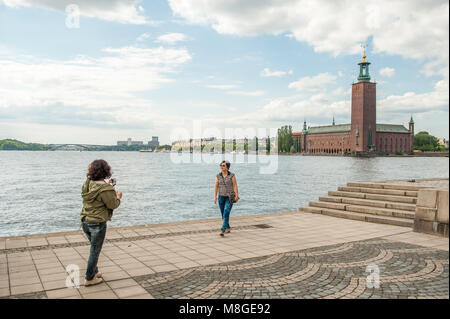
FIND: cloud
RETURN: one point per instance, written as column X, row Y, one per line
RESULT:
column 387, row 72
column 221, row 86
column 412, row 102
column 229, row 91
column 87, row 90
column 314, row 83
column 171, row 38
column 414, row 29
column 341, row 92
column 142, row 37
column 122, row 11
column 315, row 107
column 247, row 93
column 267, row 73
column 140, row 57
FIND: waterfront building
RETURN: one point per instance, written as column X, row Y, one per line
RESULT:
column 129, row 142
column 363, row 134
column 443, row 142
column 154, row 142
column 216, row 144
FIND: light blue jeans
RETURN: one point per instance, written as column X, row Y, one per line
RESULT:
column 225, row 208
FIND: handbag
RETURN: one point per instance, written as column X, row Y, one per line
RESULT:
column 232, row 198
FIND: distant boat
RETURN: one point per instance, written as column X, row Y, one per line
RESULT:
column 145, row 151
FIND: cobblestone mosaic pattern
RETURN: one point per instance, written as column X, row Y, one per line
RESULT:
column 338, row 271
column 31, row 295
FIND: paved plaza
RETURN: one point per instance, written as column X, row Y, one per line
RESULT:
column 285, row 255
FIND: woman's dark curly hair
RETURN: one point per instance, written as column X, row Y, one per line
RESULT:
column 228, row 164
column 99, row 169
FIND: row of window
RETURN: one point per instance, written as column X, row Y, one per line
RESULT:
column 393, row 144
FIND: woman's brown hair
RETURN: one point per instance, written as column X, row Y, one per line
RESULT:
column 98, row 169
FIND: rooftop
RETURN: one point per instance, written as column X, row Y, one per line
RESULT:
column 329, row 129
column 387, row 128
column 392, row 128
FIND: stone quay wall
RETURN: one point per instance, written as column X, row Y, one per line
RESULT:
column 432, row 212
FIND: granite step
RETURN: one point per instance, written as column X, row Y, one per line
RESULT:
column 379, row 197
column 381, row 191
column 385, row 186
column 368, row 202
column 393, row 204
column 359, row 216
column 390, row 212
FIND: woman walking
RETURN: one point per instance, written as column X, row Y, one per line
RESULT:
column 226, row 186
column 99, row 201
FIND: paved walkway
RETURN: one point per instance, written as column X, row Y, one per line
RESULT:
column 286, row 255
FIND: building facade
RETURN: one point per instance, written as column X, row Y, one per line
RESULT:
column 443, row 142
column 129, row 142
column 363, row 134
column 154, row 142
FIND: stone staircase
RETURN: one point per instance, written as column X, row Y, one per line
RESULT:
column 378, row 202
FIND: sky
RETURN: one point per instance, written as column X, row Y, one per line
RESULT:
column 98, row 71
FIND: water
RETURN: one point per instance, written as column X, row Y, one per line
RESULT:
column 40, row 191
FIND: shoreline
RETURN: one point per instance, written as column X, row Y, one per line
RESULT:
column 202, row 220
column 421, row 154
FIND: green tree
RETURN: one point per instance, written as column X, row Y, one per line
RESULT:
column 11, row 144
column 425, row 142
column 285, row 139
column 164, row 147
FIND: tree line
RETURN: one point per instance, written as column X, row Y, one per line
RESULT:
column 425, row 142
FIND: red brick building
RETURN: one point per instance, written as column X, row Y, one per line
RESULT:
column 363, row 134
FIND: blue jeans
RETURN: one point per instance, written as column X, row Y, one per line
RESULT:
column 95, row 232
column 225, row 208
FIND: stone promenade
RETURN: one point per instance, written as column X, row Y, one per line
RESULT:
column 285, row 255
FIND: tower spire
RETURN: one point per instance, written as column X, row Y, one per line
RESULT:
column 364, row 75
column 304, row 127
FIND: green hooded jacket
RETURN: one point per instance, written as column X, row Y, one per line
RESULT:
column 99, row 201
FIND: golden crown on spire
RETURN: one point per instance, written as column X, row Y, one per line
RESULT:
column 364, row 46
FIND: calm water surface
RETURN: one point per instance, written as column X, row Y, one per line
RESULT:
column 40, row 191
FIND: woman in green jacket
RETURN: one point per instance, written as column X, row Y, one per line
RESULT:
column 99, row 201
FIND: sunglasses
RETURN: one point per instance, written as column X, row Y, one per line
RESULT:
column 223, row 165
